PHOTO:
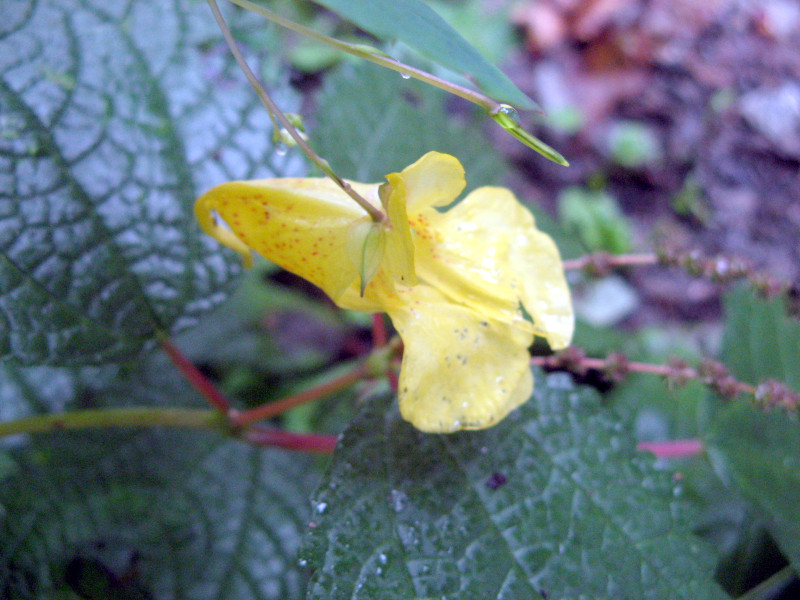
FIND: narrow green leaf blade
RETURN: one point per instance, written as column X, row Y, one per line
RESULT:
column 554, row 502
column 420, row 27
column 114, row 118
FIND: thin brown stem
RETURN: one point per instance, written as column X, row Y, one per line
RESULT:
column 276, row 113
column 379, row 337
column 602, row 262
column 767, row 394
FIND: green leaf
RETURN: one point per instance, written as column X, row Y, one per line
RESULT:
column 417, row 25
column 154, row 514
column 488, row 28
column 114, row 118
column 762, row 454
column 760, row 341
column 554, row 502
column 758, row 451
column 365, row 135
column 196, row 516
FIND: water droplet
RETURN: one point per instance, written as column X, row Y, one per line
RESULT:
column 378, row 570
column 405, row 75
column 321, row 507
column 281, row 149
column 302, row 562
column 510, row 113
column 382, row 558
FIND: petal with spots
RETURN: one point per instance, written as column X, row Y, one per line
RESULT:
column 300, row 224
column 460, row 370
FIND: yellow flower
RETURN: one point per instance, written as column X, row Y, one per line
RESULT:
column 454, row 282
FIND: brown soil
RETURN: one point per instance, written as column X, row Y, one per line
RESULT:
column 718, row 85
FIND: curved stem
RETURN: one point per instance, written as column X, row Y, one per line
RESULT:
column 375, row 56
column 276, row 114
column 137, row 416
column 505, row 115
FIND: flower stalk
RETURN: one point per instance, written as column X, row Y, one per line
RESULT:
column 276, row 114
column 503, row 114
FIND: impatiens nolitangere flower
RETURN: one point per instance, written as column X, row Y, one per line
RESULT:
column 466, row 288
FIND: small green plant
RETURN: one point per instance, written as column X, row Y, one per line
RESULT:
column 595, row 218
column 633, row 144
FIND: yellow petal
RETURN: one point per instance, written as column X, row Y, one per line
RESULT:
column 299, row 224
column 460, row 370
column 399, row 243
column 205, row 214
column 436, row 179
column 465, row 253
column 487, row 253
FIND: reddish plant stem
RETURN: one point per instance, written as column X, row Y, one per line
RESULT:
column 194, row 376
column 394, row 381
column 673, row 448
column 603, row 262
column 379, row 337
column 306, row 442
column 768, row 394
column 275, row 408
column 616, row 367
